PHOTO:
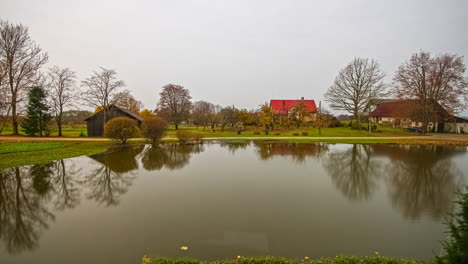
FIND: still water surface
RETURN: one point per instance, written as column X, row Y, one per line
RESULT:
column 227, row 199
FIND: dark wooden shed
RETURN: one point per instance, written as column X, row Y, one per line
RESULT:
column 95, row 123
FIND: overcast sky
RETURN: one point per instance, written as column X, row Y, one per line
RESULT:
column 239, row 52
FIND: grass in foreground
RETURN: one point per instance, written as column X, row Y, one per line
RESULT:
column 277, row 260
column 19, row 153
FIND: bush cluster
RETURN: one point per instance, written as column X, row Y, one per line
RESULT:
column 153, row 128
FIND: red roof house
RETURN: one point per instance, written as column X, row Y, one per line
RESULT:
column 284, row 106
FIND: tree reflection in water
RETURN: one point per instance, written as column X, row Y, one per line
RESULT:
column 110, row 180
column 353, row 171
column 66, row 185
column 23, row 211
column 422, row 179
column 171, row 155
column 298, row 151
column 234, row 146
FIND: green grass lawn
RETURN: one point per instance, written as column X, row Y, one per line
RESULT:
column 66, row 131
column 386, row 131
column 33, row 152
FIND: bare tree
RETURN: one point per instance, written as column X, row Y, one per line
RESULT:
column 432, row 81
column 62, row 91
column 175, row 102
column 127, row 101
column 5, row 103
column 201, row 113
column 356, row 84
column 103, row 89
column 21, row 60
column 227, row 115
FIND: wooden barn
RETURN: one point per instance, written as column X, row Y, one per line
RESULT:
column 95, row 123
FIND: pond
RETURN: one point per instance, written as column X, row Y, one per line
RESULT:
column 226, row 199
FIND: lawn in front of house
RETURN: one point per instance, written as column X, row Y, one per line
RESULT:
column 252, row 131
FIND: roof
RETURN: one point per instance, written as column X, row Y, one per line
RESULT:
column 403, row 108
column 127, row 112
column 283, row 106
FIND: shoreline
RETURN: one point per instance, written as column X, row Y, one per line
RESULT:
column 23, row 151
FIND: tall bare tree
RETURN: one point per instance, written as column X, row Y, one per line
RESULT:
column 21, row 60
column 432, row 81
column 175, row 102
column 62, row 91
column 356, row 84
column 5, row 99
column 102, row 89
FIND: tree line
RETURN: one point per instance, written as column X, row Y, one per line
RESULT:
column 45, row 94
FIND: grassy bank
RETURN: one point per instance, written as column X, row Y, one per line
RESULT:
column 251, row 131
column 276, row 260
column 19, row 153
column 385, row 131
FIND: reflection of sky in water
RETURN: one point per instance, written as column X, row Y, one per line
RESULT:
column 229, row 199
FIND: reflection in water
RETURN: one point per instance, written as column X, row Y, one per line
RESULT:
column 234, row 146
column 298, row 151
column 422, row 179
column 23, row 211
column 110, row 180
column 171, row 156
column 66, row 185
column 353, row 171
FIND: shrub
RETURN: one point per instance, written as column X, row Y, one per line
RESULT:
column 185, row 137
column 456, row 246
column 334, row 122
column 305, row 133
column 256, row 132
column 295, row 134
column 153, row 128
column 277, row 133
column 120, row 128
column 239, row 127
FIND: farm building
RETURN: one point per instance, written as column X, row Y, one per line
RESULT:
column 404, row 113
column 95, row 123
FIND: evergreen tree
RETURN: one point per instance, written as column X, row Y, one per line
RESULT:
column 38, row 116
column 456, row 246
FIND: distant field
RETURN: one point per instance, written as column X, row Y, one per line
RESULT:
column 386, row 131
